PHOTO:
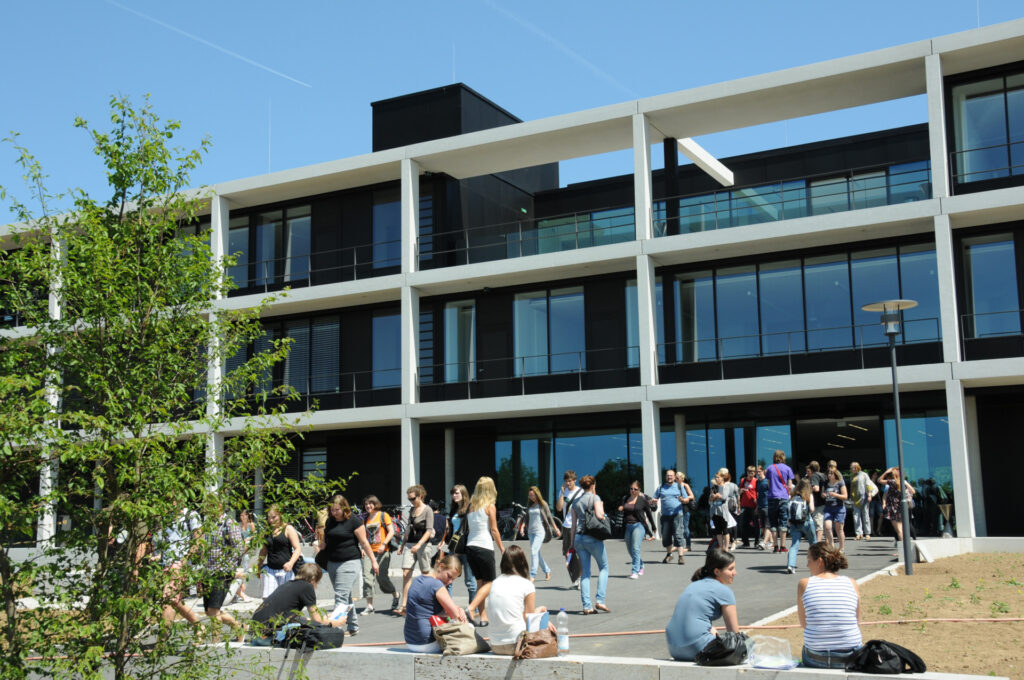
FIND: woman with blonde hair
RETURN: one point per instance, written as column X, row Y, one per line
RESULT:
column 483, row 534
column 540, row 526
column 282, row 551
column 344, row 535
column 428, row 597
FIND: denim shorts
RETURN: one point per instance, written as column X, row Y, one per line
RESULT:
column 836, row 513
column 778, row 513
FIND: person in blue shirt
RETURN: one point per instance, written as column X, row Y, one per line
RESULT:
column 706, row 599
column 673, row 498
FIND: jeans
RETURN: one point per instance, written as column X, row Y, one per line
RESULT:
column 536, row 541
column 675, row 530
column 467, row 575
column 634, row 539
column 812, row 658
column 778, row 513
column 796, row 532
column 587, row 547
column 344, row 576
column 862, row 517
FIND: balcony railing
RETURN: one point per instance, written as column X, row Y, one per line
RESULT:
column 833, row 192
column 317, row 268
column 333, row 390
column 793, row 352
column 992, row 335
column 533, row 236
column 987, row 162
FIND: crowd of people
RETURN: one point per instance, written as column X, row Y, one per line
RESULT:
column 759, row 511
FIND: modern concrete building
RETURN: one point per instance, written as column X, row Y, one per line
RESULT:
column 457, row 313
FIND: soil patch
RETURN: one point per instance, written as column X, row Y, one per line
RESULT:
column 971, row 586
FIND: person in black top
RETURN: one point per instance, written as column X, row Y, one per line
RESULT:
column 285, row 605
column 281, row 552
column 344, row 533
column 818, row 484
column 638, row 522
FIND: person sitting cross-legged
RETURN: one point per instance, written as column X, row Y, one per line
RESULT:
column 285, row 605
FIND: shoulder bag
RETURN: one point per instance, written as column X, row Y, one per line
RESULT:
column 727, row 649
column 458, row 639
column 883, row 658
column 599, row 529
column 456, row 544
column 540, row 644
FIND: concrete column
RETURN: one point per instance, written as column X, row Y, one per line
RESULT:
column 409, row 465
column 220, row 219
column 647, row 309
column 650, row 420
column 963, row 504
column 680, row 427
column 47, row 524
column 410, row 329
column 949, row 317
column 258, row 494
column 642, row 192
column 449, row 458
column 974, row 466
column 215, row 458
column 410, row 214
column 937, row 126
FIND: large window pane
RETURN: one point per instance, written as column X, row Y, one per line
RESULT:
column 296, row 366
column 531, row 333
column 700, row 213
column 238, row 245
column 910, row 182
column 771, row 438
column 794, row 199
column 716, row 452
column 387, row 229
column 753, row 205
column 612, row 226
column 326, row 356
column 875, row 278
column 602, row 453
column 927, row 461
column 782, row 307
column 697, row 458
column 829, row 196
column 695, row 317
column 459, row 341
column 827, row 294
column 567, row 331
column 979, row 122
column 736, row 299
column 633, row 323
column 387, row 350
column 268, row 235
column 990, row 284
column 867, row 190
column 296, row 263
column 919, row 281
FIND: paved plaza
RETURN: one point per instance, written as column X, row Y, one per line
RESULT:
column 762, row 588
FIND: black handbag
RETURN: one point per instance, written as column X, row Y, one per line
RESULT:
column 727, row 649
column 600, row 529
column 321, row 558
column 456, row 544
column 885, row 658
column 311, row 635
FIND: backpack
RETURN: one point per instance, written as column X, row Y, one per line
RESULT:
column 732, row 502
column 881, row 657
column 440, row 528
column 797, row 510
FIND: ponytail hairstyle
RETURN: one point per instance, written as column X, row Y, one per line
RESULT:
column 716, row 559
column 832, row 559
column 803, row 489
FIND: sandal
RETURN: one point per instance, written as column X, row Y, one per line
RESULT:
column 668, row 558
column 400, row 611
column 682, row 560
column 588, row 612
column 602, row 608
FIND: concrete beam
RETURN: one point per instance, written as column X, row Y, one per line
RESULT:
column 706, row 162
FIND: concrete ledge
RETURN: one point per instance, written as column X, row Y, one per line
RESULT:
column 931, row 549
column 351, row 662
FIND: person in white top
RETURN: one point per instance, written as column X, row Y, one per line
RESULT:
column 483, row 534
column 567, row 497
column 513, row 596
column 829, row 609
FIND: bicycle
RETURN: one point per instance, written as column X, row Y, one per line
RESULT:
column 306, row 531
column 512, row 522
column 400, row 523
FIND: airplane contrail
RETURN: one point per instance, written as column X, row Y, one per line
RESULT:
column 190, row 36
column 562, row 47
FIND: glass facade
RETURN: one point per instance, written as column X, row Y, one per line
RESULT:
column 387, row 228
column 272, row 247
column 926, row 461
column 988, row 128
column 990, row 286
column 549, row 332
column 387, row 349
column 798, row 305
column 633, row 322
column 460, row 341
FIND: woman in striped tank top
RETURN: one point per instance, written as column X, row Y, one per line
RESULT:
column 829, row 609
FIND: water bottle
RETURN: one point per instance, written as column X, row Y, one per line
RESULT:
column 562, row 628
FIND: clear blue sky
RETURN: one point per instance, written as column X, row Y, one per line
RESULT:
column 286, row 84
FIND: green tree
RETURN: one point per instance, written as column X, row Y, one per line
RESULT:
column 112, row 387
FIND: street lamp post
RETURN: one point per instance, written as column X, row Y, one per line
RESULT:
column 891, row 314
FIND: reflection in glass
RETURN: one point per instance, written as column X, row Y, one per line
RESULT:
column 990, row 286
column 829, row 196
column 827, row 295
column 716, row 452
column 633, row 323
column 782, row 306
column 868, row 190
column 460, row 341
column 979, row 124
column 770, row 438
column 387, row 228
column 875, row 278
column 568, row 339
column 387, row 350
column 910, row 182
column 697, row 458
column 695, row 317
column 736, row 300
column 753, row 205
column 530, row 319
column 919, row 281
column 267, row 234
column 238, row 245
column 296, row 264
column 927, row 461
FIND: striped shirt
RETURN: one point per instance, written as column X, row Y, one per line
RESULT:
column 830, row 606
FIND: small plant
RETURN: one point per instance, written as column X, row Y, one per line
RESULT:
column 885, row 610
column 883, row 596
column 998, row 607
column 927, row 594
column 920, row 628
column 1014, row 582
column 975, row 599
column 981, row 585
column 910, row 608
column 954, row 584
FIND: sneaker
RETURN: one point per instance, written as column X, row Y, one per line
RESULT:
column 634, row 576
column 394, row 602
column 351, row 633
column 641, row 572
column 790, row 570
column 368, row 609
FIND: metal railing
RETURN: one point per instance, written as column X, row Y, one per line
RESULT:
column 850, row 189
column 993, row 162
column 798, row 343
column 975, row 326
column 307, row 390
column 298, row 270
column 532, row 236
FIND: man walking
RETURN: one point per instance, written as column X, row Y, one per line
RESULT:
column 780, row 483
column 673, row 499
column 567, row 497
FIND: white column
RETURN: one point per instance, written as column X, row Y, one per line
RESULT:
column 47, row 525
column 974, row 466
column 949, row 318
column 410, row 214
column 679, row 420
column 410, row 327
column 219, row 218
column 642, row 193
column 215, row 458
column 449, row 458
column 647, row 309
column 409, row 472
column 956, row 414
column 937, row 126
column 257, row 481
column 650, row 421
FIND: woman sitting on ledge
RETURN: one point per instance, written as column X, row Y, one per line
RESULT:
column 285, row 605
column 428, row 596
column 829, row 609
column 704, row 600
